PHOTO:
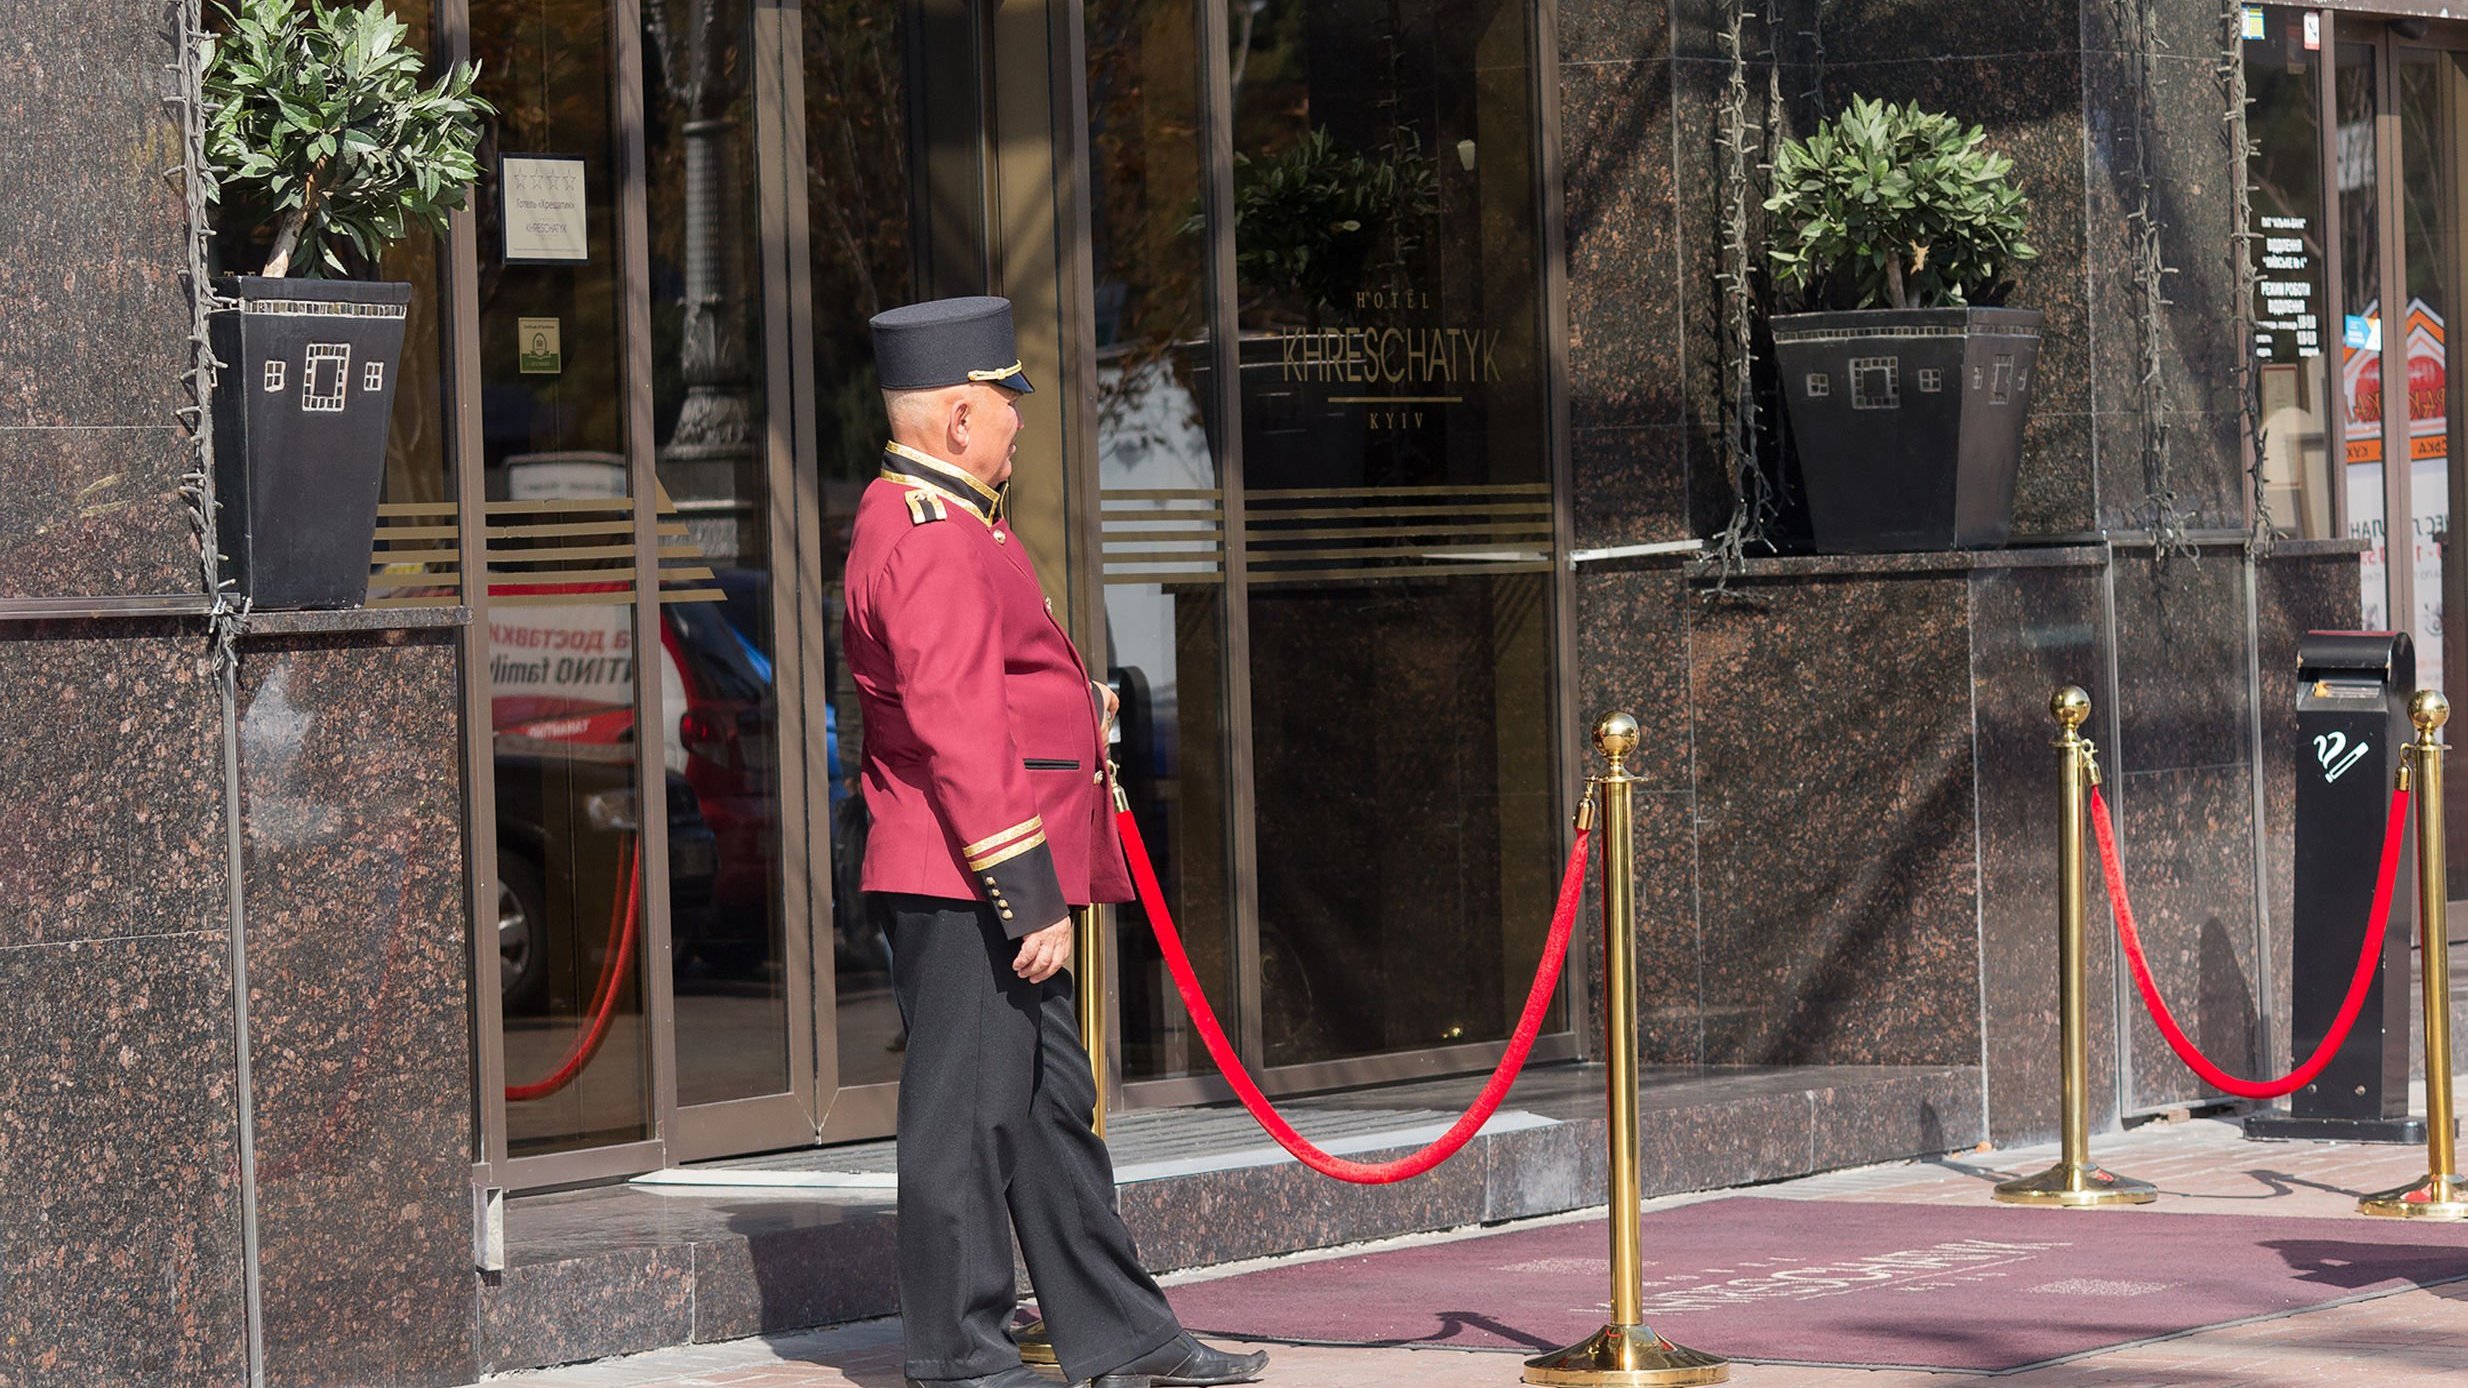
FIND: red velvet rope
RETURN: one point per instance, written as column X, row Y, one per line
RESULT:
column 2193, row 1057
column 1529, row 1025
column 623, row 920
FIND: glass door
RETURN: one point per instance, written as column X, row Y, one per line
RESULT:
column 730, row 693
column 1326, row 523
column 1161, row 454
column 887, row 205
column 638, row 670
column 2432, row 89
column 1396, row 523
column 2401, row 160
column 575, row 869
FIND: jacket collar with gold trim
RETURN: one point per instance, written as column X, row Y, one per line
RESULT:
column 904, row 464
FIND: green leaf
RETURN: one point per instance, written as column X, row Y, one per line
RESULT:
column 291, row 85
column 1882, row 181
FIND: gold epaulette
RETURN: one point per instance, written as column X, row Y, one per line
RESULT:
column 926, row 504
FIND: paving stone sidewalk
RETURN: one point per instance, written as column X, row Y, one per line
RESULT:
column 2418, row 1335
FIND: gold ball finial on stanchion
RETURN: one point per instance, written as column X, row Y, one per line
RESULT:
column 1616, row 736
column 2426, row 708
column 2070, row 707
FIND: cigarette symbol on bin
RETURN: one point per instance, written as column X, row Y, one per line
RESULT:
column 2336, row 756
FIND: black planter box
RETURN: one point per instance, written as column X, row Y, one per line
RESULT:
column 1908, row 423
column 300, row 414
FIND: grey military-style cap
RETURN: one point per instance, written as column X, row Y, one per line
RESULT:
column 946, row 342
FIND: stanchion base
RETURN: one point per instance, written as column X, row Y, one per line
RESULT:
column 2287, row 1127
column 1035, row 1346
column 1627, row 1356
column 2076, row 1187
column 2431, row 1196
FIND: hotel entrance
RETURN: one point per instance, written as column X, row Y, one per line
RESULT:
column 1296, row 490
column 1289, row 267
column 669, row 412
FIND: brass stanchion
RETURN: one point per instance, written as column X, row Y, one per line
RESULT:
column 1626, row 1352
column 2074, row 1182
column 2440, row 1194
column 1088, row 943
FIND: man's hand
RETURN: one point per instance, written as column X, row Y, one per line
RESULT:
column 1044, row 952
column 1113, row 707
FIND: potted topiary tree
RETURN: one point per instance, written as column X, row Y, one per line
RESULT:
column 1907, row 390
column 318, row 126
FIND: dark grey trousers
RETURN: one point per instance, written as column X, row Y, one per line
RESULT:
column 995, row 1103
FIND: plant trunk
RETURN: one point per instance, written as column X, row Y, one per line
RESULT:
column 294, row 223
column 1893, row 282
column 286, row 240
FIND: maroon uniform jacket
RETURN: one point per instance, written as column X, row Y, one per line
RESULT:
column 983, row 768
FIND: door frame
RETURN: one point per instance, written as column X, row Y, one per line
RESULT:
column 678, row 1132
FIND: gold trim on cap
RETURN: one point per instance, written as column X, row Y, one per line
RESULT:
column 1003, row 375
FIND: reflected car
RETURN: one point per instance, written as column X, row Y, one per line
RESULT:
column 563, row 822
column 725, row 741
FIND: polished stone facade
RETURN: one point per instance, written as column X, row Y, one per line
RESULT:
column 96, row 335
column 120, row 1109
column 359, row 1016
column 123, row 1199
column 1847, row 827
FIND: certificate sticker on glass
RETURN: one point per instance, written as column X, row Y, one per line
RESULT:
column 543, row 209
column 541, row 352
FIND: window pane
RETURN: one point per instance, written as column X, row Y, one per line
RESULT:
column 861, row 261
column 2428, row 97
column 2284, row 122
column 1162, row 506
column 560, row 640
column 2433, row 92
column 720, row 714
column 2360, row 231
column 1397, row 513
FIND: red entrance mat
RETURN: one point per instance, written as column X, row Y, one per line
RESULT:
column 1921, row 1286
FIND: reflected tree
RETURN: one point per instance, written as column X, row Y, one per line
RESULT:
column 710, row 455
column 857, row 201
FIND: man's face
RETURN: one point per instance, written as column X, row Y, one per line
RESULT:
column 994, row 432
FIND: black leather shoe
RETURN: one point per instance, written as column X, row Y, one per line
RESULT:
column 1017, row 1376
column 1183, row 1362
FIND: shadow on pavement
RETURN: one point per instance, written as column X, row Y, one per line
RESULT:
column 2357, row 1266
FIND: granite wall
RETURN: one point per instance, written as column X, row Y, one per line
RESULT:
column 120, row 1191
column 1848, row 777
column 119, row 1126
column 122, row 1198
column 359, row 1014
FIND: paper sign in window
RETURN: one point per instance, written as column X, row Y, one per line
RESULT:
column 543, row 209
